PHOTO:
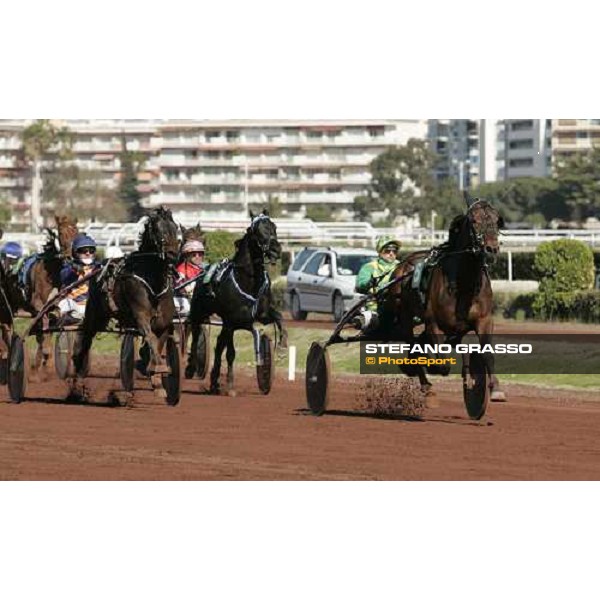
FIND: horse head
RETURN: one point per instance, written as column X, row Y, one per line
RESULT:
column 262, row 233
column 160, row 234
column 485, row 223
column 67, row 231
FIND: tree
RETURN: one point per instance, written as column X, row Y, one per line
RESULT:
column 5, row 211
column 274, row 206
column 401, row 177
column 129, row 194
column 527, row 199
column 318, row 212
column 445, row 199
column 578, row 178
column 80, row 193
column 40, row 139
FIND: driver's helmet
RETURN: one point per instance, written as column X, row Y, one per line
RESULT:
column 192, row 246
column 82, row 241
column 386, row 240
column 12, row 250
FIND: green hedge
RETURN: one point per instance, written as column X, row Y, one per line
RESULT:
column 219, row 245
column 565, row 268
column 579, row 306
column 278, row 288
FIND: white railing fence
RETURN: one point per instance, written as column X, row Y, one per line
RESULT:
column 296, row 232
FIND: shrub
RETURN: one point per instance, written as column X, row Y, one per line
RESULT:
column 278, row 288
column 511, row 305
column 219, row 245
column 565, row 267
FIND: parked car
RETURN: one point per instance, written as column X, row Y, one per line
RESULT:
column 322, row 280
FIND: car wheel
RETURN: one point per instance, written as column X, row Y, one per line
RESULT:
column 297, row 313
column 338, row 307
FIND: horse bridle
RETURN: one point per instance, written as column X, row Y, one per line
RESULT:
column 252, row 229
column 478, row 238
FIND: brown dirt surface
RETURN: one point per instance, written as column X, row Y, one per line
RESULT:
column 538, row 434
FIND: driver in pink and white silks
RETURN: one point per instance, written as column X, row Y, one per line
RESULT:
column 191, row 266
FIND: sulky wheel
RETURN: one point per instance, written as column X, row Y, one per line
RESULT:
column 264, row 371
column 127, row 362
column 203, row 352
column 172, row 382
column 317, row 379
column 63, row 354
column 476, row 391
column 18, row 369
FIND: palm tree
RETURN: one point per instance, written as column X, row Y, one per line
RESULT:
column 39, row 139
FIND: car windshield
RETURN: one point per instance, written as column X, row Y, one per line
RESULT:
column 350, row 264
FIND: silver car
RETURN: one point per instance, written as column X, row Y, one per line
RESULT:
column 322, row 280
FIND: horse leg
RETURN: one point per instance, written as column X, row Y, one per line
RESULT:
column 484, row 332
column 230, row 355
column 283, row 334
column 215, row 373
column 157, row 367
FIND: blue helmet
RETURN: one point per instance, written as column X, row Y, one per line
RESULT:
column 82, row 241
column 12, row 250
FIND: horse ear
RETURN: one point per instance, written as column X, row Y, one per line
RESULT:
column 1, row 233
column 266, row 212
column 251, row 214
column 183, row 230
column 468, row 198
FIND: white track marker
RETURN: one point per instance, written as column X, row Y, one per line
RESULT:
column 292, row 364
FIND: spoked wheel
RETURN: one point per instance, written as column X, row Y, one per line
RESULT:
column 317, row 379
column 264, row 372
column 172, row 382
column 203, row 352
column 476, row 391
column 127, row 362
column 18, row 369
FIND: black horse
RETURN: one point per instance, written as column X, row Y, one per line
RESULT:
column 138, row 293
column 241, row 295
column 458, row 298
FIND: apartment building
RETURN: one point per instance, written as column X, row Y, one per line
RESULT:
column 456, row 143
column 222, row 167
column 527, row 148
column 574, row 135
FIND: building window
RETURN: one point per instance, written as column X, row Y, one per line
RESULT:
column 582, row 135
column 521, row 125
column 521, row 144
column 520, row 162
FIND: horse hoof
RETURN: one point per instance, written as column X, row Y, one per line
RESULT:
column 232, row 394
column 498, row 396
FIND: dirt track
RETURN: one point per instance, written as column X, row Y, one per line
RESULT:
column 538, row 434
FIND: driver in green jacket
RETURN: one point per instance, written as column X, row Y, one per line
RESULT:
column 373, row 276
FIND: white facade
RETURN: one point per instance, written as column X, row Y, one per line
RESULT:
column 570, row 136
column 223, row 167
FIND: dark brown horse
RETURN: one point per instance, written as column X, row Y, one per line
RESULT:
column 458, row 299
column 44, row 277
column 140, row 298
